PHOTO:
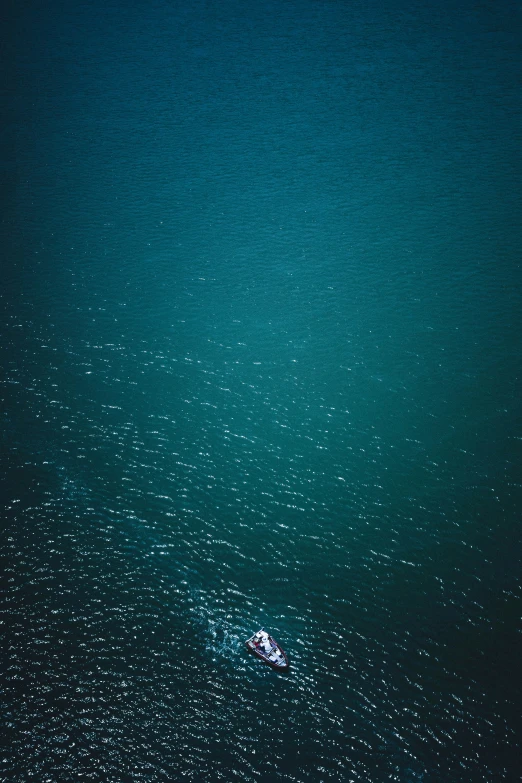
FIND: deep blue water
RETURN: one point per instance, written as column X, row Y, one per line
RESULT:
column 260, row 307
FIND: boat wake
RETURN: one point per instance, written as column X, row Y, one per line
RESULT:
column 221, row 637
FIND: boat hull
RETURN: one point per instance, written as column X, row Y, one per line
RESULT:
column 276, row 658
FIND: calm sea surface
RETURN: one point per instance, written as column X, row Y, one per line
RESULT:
column 261, row 359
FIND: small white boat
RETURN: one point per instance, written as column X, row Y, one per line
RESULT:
column 265, row 647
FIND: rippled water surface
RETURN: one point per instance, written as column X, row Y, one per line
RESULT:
column 261, row 366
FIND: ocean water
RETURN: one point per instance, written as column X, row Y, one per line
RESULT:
column 260, row 307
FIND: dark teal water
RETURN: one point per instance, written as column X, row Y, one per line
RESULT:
column 260, row 307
